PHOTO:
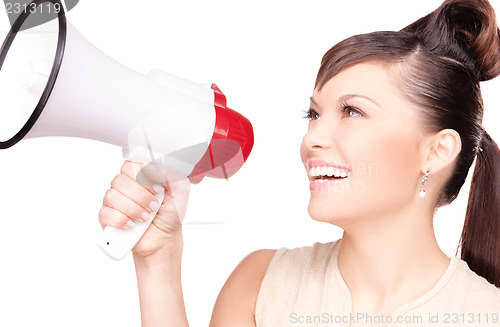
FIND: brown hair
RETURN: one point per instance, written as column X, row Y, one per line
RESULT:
column 440, row 60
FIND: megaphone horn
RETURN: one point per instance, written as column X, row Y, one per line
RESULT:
column 70, row 88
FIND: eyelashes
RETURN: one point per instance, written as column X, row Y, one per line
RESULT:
column 310, row 114
column 346, row 111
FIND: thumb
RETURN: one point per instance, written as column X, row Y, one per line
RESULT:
column 157, row 173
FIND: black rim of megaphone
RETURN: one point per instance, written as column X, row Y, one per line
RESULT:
column 61, row 42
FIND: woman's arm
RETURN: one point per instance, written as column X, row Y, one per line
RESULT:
column 160, row 288
column 158, row 256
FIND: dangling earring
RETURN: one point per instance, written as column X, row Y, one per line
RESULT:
column 424, row 179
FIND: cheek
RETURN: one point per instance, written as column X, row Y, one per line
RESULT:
column 386, row 164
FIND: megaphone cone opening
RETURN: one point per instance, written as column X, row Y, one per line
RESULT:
column 44, row 97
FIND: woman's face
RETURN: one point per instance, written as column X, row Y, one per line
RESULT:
column 364, row 131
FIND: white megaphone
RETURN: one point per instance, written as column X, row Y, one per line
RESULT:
column 53, row 82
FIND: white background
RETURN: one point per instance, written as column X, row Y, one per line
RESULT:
column 264, row 56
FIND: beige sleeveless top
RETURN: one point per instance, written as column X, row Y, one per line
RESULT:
column 304, row 287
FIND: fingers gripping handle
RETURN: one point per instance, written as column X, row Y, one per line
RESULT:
column 116, row 243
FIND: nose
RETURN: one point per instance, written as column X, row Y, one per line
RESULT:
column 319, row 136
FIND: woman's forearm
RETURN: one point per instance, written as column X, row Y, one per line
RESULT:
column 160, row 290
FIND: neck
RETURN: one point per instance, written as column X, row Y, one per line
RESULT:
column 391, row 260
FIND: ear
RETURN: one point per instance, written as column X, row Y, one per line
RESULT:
column 440, row 150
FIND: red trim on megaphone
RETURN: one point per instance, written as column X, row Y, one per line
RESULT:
column 230, row 146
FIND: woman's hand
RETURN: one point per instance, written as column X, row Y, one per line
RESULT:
column 127, row 201
column 158, row 253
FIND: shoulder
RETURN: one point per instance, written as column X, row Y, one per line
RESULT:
column 236, row 301
column 478, row 285
column 292, row 272
column 291, row 266
column 472, row 290
column 295, row 261
column 251, row 270
column 263, row 262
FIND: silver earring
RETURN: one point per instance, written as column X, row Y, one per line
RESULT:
column 424, row 179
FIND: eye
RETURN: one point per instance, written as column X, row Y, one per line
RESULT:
column 350, row 111
column 311, row 114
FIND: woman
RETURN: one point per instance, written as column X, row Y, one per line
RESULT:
column 395, row 124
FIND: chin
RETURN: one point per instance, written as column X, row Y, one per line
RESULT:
column 323, row 214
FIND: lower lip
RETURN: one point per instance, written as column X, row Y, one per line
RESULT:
column 323, row 185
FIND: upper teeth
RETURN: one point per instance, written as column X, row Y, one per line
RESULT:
column 328, row 171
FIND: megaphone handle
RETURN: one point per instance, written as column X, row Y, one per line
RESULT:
column 116, row 243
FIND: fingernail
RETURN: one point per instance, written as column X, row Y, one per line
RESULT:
column 144, row 216
column 159, row 189
column 154, row 205
column 130, row 224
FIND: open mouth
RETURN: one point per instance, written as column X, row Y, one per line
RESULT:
column 326, row 177
column 325, row 173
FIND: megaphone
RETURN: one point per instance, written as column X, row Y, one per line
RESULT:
column 54, row 82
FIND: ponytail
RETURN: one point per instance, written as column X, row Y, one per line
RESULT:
column 480, row 238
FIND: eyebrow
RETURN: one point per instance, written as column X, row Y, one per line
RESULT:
column 347, row 97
